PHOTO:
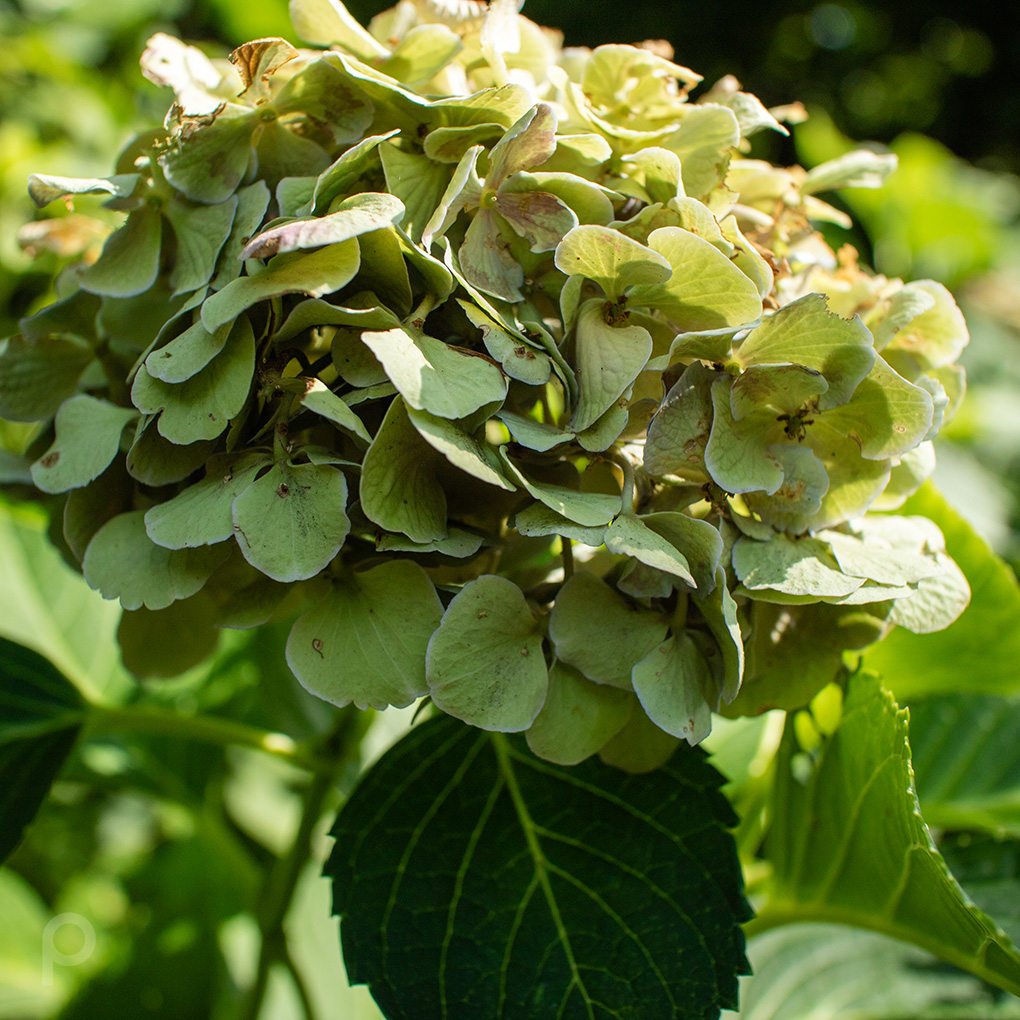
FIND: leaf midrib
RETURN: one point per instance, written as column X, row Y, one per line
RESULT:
column 500, row 746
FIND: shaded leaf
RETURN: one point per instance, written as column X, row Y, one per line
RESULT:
column 477, row 880
column 599, row 632
column 399, row 490
column 123, row 562
column 36, row 377
column 129, row 262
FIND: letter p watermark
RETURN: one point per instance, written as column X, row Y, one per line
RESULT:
column 52, row 954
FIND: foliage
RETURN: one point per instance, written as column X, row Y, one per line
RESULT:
column 445, row 363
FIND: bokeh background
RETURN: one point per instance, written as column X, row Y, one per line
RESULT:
column 141, row 823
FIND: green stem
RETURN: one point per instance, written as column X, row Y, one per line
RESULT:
column 286, row 871
column 568, row 557
column 624, row 464
column 204, row 728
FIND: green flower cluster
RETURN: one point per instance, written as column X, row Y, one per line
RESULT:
column 499, row 369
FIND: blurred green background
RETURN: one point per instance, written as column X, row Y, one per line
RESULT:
column 134, row 821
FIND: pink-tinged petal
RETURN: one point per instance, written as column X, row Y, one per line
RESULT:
column 530, row 142
column 542, row 219
column 485, row 259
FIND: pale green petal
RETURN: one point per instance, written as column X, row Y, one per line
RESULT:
column 316, row 273
column 578, row 717
column 613, row 260
column 291, row 522
column 608, row 360
column 485, row 663
column 705, row 290
column 671, row 682
column 88, row 438
column 356, row 215
column 599, row 632
column 807, row 333
column 433, row 376
column 399, row 490
column 365, row 642
column 590, row 509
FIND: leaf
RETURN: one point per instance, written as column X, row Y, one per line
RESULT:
column 679, row 432
column 422, row 53
column 533, row 434
column 47, row 606
column 519, row 359
column 44, row 188
column 849, row 845
column 609, row 359
column 122, row 562
column 980, row 651
column 472, row 456
column 36, row 377
column 366, row 640
column 212, row 153
column 187, row 354
column 473, row 880
column 599, row 632
column 142, row 633
column 537, row 520
column 316, row 273
column 88, row 438
column 485, row 663
column 41, row 713
column 966, row 756
column 705, row 290
column 399, row 490
column 201, row 406
column 832, row 972
column 803, row 566
column 323, row 401
column 630, row 535
column 417, row 181
column 613, row 260
column 129, row 262
column 432, row 376
column 359, row 214
column 290, row 523
column 328, row 23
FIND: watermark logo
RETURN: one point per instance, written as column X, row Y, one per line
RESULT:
column 53, row 954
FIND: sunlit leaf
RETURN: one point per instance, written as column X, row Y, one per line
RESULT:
column 871, row 861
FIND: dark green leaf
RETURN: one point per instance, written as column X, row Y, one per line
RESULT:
column 474, row 880
column 40, row 715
